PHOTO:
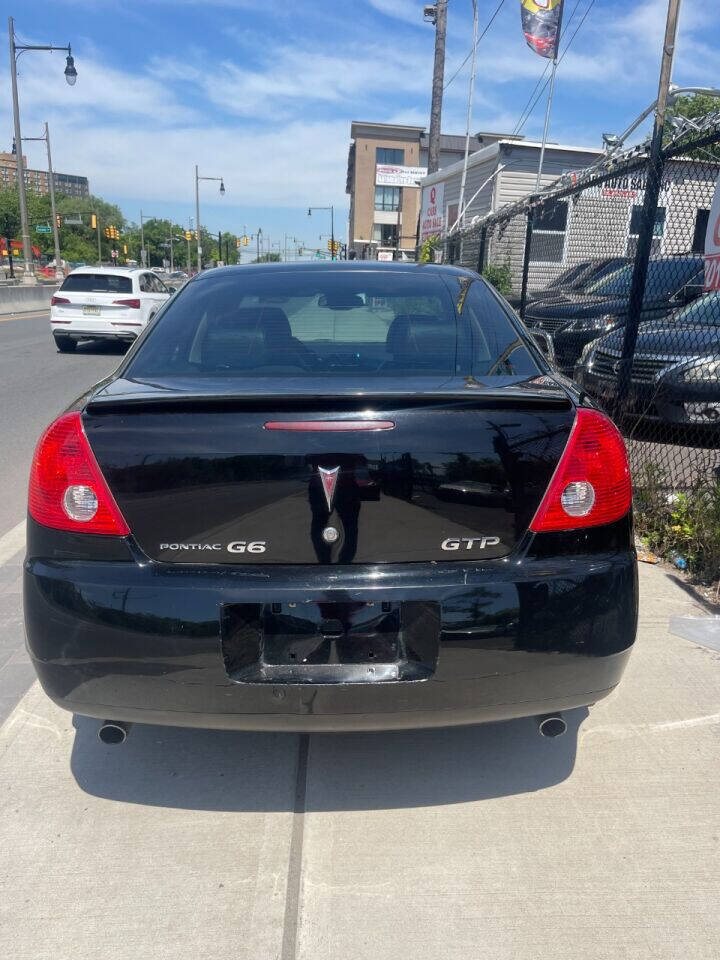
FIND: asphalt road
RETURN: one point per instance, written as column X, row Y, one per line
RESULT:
column 36, row 383
column 479, row 842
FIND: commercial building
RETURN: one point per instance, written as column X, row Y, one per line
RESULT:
column 36, row 181
column 498, row 176
column 386, row 163
column 599, row 221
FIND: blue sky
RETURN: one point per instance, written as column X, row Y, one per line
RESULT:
column 262, row 92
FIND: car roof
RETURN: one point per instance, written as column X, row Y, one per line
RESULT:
column 111, row 270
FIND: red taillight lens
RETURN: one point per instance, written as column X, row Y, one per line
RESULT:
column 67, row 488
column 134, row 303
column 591, row 485
column 56, row 300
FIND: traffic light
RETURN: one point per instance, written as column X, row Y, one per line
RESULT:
column 245, row 241
column 333, row 247
column 189, row 235
column 107, row 232
column 112, row 233
column 300, row 251
column 125, row 249
column 93, row 221
column 58, row 219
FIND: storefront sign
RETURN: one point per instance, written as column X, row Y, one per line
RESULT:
column 388, row 175
column 431, row 215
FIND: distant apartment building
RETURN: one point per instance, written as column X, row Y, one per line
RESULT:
column 36, row 181
column 386, row 163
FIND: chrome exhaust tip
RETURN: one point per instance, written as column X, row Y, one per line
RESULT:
column 113, row 732
column 553, row 725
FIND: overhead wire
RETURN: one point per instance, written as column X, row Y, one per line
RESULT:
column 533, row 100
column 476, row 45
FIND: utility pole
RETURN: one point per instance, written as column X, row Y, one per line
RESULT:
column 551, row 95
column 439, row 18
column 28, row 275
column 53, row 209
column 16, row 49
column 471, row 94
column 652, row 195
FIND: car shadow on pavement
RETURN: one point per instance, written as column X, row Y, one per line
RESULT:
column 257, row 772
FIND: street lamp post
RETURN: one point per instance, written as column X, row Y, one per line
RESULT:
column 198, row 178
column 16, row 49
column 332, row 225
column 53, row 210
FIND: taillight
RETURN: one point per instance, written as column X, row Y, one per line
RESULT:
column 132, row 302
column 67, row 488
column 56, row 300
column 591, row 485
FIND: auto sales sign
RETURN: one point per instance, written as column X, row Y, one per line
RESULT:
column 432, row 214
column 712, row 244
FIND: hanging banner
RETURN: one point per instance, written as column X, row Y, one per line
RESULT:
column 712, row 244
column 541, row 25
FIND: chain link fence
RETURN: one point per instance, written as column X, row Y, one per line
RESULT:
column 607, row 270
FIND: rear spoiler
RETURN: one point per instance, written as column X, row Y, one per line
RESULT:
column 480, row 399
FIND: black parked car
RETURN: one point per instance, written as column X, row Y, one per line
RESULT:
column 675, row 371
column 371, row 507
column 578, row 319
column 577, row 278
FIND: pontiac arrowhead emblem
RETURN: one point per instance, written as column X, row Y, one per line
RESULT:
column 328, row 478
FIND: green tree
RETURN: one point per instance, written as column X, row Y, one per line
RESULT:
column 268, row 258
column 695, row 106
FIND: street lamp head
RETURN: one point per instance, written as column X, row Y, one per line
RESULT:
column 222, row 188
column 70, row 71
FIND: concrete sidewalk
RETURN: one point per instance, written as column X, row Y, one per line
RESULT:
column 433, row 845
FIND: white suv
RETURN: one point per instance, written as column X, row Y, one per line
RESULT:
column 105, row 303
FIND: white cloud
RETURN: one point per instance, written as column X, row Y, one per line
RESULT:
column 410, row 11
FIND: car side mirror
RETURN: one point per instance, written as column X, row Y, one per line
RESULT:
column 545, row 343
column 688, row 293
column 171, row 289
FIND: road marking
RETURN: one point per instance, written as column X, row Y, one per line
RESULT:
column 12, row 542
column 25, row 316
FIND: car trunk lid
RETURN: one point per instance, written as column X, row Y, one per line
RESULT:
column 438, row 473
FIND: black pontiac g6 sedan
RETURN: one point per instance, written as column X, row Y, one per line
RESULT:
column 330, row 497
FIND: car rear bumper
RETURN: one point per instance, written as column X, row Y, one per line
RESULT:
column 120, row 334
column 133, row 642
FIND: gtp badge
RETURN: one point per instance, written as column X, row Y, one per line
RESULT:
column 328, row 478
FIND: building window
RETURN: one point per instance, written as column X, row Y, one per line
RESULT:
column 389, row 155
column 387, row 198
column 549, row 231
column 701, row 225
column 386, row 234
column 634, row 230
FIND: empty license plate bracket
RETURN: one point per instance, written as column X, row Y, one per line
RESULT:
column 338, row 642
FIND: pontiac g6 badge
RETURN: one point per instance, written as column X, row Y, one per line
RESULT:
column 328, row 478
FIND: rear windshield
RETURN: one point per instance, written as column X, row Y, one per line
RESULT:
column 97, row 283
column 325, row 323
column 664, row 277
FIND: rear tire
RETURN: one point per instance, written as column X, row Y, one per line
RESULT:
column 65, row 344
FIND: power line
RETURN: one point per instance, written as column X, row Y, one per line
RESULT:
column 522, row 119
column 532, row 103
column 475, row 46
